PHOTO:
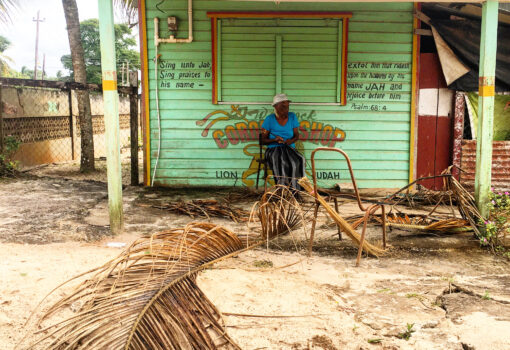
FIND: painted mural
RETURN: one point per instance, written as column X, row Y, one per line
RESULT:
column 241, row 125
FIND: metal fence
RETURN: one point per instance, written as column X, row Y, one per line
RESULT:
column 42, row 117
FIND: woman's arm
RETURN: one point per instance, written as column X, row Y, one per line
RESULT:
column 294, row 138
column 266, row 140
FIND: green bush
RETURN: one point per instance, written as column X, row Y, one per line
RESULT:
column 7, row 165
column 497, row 225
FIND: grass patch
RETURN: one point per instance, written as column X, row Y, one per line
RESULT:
column 263, row 264
column 374, row 341
column 407, row 333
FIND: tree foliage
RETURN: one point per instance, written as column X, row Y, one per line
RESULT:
column 4, row 43
column 5, row 69
column 128, row 11
column 124, row 41
column 6, row 9
column 4, row 65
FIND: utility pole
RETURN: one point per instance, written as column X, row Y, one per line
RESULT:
column 43, row 65
column 37, row 21
column 111, row 114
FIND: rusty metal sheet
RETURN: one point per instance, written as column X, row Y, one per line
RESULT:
column 500, row 164
column 458, row 132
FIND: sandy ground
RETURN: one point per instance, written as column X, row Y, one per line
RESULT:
column 454, row 295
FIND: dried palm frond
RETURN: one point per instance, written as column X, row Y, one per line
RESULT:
column 206, row 208
column 449, row 225
column 419, row 223
column 465, row 203
column 147, row 298
column 278, row 211
column 423, row 222
column 411, row 219
column 452, row 194
column 345, row 226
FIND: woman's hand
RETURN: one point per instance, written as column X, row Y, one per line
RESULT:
column 279, row 139
column 289, row 142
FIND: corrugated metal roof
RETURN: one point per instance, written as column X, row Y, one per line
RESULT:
column 500, row 164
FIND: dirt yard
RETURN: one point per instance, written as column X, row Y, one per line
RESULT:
column 439, row 292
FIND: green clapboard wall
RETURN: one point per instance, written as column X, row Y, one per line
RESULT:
column 207, row 144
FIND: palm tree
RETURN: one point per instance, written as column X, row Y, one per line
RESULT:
column 6, row 8
column 80, row 76
column 4, row 66
column 129, row 8
column 129, row 11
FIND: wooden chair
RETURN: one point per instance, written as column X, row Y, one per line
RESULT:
column 367, row 211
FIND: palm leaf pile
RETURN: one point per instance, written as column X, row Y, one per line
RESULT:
column 279, row 212
column 421, row 222
column 206, row 208
column 147, row 297
column 453, row 195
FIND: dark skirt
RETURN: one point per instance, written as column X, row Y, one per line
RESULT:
column 287, row 164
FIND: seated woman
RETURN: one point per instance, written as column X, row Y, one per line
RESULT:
column 279, row 133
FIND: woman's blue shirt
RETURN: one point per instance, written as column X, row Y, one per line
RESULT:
column 284, row 131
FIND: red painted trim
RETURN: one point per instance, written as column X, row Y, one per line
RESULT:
column 289, row 14
column 345, row 44
column 214, row 42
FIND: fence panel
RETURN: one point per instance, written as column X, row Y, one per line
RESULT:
column 43, row 117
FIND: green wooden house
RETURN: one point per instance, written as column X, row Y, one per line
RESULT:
column 211, row 68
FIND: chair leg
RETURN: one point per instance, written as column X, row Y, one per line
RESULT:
column 338, row 226
column 383, row 210
column 265, row 177
column 312, row 232
column 362, row 240
column 258, row 176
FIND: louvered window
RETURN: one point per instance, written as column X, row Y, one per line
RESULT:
column 256, row 58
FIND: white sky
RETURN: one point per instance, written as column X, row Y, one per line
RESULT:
column 53, row 40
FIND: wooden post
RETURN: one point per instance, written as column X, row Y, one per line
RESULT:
column 72, row 125
column 488, row 45
column 133, row 125
column 111, row 114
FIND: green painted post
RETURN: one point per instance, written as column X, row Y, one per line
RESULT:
column 111, row 114
column 488, row 47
